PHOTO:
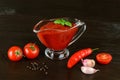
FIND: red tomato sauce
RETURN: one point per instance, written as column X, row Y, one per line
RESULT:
column 56, row 36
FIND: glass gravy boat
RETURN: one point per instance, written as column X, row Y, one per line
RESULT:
column 57, row 39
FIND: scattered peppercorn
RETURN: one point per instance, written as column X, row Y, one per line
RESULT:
column 38, row 67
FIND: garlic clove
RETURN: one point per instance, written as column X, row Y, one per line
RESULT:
column 88, row 62
column 88, row 70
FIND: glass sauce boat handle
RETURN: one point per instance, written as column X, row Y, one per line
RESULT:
column 81, row 25
column 36, row 28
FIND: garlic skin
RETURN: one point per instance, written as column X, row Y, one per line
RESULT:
column 88, row 62
column 88, row 70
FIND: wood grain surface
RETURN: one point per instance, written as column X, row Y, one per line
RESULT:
column 18, row 17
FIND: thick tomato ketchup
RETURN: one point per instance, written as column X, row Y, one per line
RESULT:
column 56, row 36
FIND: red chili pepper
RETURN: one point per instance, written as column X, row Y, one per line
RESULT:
column 77, row 56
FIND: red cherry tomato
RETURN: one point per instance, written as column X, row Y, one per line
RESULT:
column 15, row 53
column 104, row 58
column 31, row 50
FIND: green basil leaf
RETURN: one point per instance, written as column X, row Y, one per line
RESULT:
column 63, row 22
column 68, row 24
column 57, row 21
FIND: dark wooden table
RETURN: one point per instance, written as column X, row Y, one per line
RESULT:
column 17, row 19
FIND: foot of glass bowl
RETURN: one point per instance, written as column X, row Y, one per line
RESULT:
column 57, row 55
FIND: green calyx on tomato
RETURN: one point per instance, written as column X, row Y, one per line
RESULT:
column 63, row 22
column 17, row 52
column 32, row 47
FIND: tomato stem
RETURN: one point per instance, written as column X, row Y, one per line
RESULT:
column 95, row 49
column 32, row 47
column 17, row 52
